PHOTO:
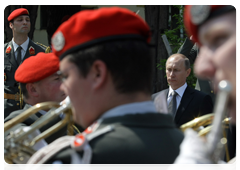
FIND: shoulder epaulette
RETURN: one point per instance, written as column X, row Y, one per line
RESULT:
column 83, row 138
column 81, row 143
column 47, row 48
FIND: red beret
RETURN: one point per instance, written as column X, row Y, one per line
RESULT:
column 37, row 67
column 196, row 15
column 18, row 12
column 90, row 27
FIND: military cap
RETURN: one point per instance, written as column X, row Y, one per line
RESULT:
column 37, row 67
column 90, row 27
column 196, row 15
column 18, row 12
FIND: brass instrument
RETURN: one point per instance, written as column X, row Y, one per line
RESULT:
column 215, row 134
column 18, row 146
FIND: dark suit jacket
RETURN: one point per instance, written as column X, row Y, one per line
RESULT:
column 193, row 104
column 135, row 139
column 10, row 67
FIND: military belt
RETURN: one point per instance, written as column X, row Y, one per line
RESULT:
column 15, row 97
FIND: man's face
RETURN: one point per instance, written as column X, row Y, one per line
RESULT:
column 49, row 89
column 21, row 25
column 217, row 58
column 78, row 88
column 176, row 72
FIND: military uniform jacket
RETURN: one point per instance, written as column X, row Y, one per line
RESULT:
column 150, row 138
column 10, row 67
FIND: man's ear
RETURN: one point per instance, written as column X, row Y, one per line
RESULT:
column 98, row 73
column 32, row 89
column 188, row 72
column 11, row 25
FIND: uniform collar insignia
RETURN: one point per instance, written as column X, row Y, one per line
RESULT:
column 8, row 50
column 31, row 50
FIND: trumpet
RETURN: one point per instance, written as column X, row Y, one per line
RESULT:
column 18, row 145
column 216, row 132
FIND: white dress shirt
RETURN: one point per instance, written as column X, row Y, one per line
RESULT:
column 180, row 92
column 23, row 50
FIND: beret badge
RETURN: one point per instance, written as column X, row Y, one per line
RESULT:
column 200, row 13
column 58, row 41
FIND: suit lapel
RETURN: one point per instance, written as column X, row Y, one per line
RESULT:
column 166, row 93
column 186, row 98
column 11, row 56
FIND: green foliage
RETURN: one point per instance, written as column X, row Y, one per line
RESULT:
column 173, row 35
column 176, row 41
column 191, row 79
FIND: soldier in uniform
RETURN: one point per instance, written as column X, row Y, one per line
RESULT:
column 15, row 52
column 213, row 27
column 107, row 72
column 40, row 83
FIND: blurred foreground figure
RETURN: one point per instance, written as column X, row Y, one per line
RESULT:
column 214, row 29
column 106, row 69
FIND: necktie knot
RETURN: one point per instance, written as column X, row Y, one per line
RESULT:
column 174, row 93
column 19, row 48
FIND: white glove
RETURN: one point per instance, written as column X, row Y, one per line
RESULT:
column 193, row 154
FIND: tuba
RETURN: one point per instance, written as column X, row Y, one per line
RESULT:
column 215, row 133
column 18, row 146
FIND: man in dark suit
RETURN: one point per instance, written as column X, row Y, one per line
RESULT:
column 190, row 103
column 15, row 52
column 110, row 93
column 40, row 83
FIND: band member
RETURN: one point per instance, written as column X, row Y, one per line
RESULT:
column 214, row 29
column 15, row 52
column 107, row 69
column 39, row 82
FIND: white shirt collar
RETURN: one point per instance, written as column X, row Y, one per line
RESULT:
column 131, row 108
column 23, row 45
column 180, row 90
